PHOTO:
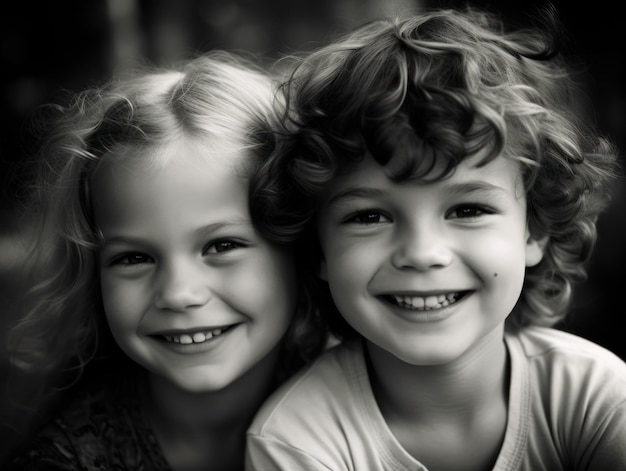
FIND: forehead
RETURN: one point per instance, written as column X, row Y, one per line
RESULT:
column 205, row 150
column 169, row 181
column 502, row 171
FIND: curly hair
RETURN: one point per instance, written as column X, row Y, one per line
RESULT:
column 435, row 88
column 216, row 95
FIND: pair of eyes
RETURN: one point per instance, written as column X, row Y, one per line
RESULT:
column 376, row 216
column 136, row 258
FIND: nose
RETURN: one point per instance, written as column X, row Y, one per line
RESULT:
column 421, row 246
column 181, row 285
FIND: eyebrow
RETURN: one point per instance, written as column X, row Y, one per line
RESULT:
column 477, row 186
column 469, row 187
column 354, row 192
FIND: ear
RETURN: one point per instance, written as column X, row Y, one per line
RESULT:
column 323, row 271
column 534, row 250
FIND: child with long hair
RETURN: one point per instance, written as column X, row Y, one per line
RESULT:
column 449, row 185
column 158, row 296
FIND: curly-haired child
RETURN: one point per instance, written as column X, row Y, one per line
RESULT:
column 449, row 189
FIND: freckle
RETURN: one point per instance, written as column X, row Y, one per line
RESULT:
column 495, row 274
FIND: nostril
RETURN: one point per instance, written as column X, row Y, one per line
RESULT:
column 421, row 260
column 181, row 283
column 182, row 298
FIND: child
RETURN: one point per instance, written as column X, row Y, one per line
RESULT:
column 147, row 189
column 453, row 194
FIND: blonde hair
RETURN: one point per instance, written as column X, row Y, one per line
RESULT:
column 217, row 96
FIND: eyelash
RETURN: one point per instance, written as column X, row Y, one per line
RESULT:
column 476, row 210
column 125, row 259
column 224, row 242
column 458, row 212
column 354, row 218
column 138, row 258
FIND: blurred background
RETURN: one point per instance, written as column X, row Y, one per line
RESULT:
column 48, row 48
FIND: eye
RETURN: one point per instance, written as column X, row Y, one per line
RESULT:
column 369, row 216
column 469, row 211
column 222, row 246
column 133, row 258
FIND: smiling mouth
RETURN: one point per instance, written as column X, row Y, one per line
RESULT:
column 425, row 303
column 197, row 337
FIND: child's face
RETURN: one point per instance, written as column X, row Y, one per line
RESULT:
column 427, row 271
column 190, row 290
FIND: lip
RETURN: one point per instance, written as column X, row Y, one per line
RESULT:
column 424, row 316
column 194, row 347
column 422, row 293
column 191, row 331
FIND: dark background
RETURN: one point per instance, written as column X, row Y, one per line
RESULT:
column 48, row 47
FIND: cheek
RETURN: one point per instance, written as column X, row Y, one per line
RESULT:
column 267, row 287
column 110, row 295
column 498, row 252
column 349, row 272
column 501, row 264
column 347, row 264
column 121, row 302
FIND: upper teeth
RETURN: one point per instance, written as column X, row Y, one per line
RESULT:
column 427, row 302
column 198, row 337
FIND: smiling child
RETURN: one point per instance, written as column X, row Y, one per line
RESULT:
column 158, row 296
column 449, row 193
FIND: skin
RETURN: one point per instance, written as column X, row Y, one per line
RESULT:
column 428, row 274
column 191, row 292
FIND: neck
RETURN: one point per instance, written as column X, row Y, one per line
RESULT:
column 207, row 430
column 458, row 390
column 235, row 404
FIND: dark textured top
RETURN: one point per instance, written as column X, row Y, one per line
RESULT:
column 103, row 428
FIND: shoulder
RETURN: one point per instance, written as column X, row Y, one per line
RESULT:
column 571, row 367
column 571, row 393
column 558, row 346
column 50, row 448
column 324, row 417
column 314, row 393
column 68, row 440
column 98, row 429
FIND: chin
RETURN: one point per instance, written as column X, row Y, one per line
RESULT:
column 429, row 357
column 203, row 387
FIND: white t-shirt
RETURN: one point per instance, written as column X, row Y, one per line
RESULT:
column 566, row 411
